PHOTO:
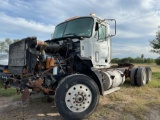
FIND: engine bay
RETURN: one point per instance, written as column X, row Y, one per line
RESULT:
column 40, row 65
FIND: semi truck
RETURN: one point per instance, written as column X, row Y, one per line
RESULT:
column 74, row 66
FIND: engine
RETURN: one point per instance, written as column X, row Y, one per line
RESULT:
column 39, row 65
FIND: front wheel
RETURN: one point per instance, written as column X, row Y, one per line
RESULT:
column 77, row 97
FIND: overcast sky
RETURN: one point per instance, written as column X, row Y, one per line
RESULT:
column 137, row 20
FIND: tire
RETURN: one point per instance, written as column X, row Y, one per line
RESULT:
column 141, row 76
column 77, row 97
column 133, row 80
column 148, row 74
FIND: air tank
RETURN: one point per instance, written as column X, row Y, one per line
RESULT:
column 112, row 78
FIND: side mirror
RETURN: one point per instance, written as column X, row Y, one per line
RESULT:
column 114, row 26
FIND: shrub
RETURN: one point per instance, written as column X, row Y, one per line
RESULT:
column 149, row 60
column 157, row 61
column 115, row 60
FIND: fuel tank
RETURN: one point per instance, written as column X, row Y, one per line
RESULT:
column 112, row 78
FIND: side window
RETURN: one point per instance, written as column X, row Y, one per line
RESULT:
column 101, row 32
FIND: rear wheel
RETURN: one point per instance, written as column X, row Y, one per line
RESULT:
column 149, row 74
column 77, row 97
column 141, row 76
column 132, row 76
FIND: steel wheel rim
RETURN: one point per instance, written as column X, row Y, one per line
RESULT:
column 78, row 98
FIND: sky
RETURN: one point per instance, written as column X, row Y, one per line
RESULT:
column 137, row 21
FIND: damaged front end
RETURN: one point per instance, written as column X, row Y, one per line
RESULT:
column 31, row 68
column 38, row 66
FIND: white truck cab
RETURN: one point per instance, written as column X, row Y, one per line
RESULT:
column 96, row 43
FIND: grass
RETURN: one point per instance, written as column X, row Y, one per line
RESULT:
column 131, row 102
column 16, row 97
column 8, row 92
column 11, row 92
column 1, row 84
column 156, row 80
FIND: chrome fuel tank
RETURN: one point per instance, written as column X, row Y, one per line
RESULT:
column 113, row 78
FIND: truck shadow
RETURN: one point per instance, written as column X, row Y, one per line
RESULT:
column 127, row 83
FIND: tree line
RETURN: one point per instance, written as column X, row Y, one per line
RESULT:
column 133, row 60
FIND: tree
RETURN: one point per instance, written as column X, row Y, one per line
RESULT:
column 15, row 40
column 137, row 60
column 155, row 44
column 4, row 45
column 142, row 56
column 149, row 60
column 115, row 60
column 127, row 60
column 157, row 61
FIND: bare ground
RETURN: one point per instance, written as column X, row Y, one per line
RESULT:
column 34, row 110
column 38, row 110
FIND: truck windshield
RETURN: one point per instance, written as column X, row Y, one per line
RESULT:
column 79, row 27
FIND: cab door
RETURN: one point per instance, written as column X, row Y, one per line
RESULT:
column 101, row 45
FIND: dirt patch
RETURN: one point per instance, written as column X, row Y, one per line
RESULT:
column 5, row 102
column 37, row 110
column 154, row 114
